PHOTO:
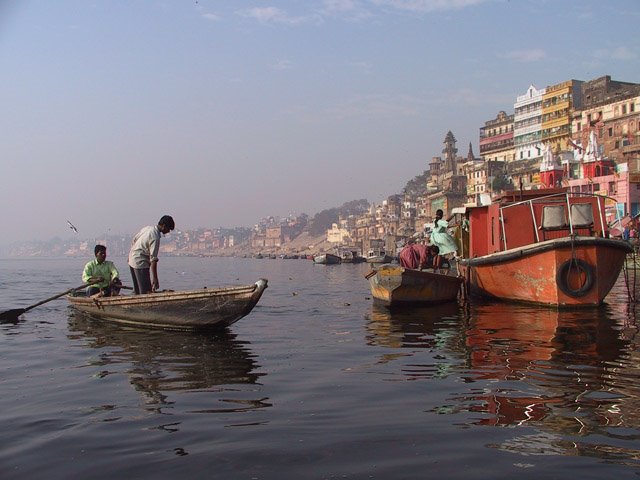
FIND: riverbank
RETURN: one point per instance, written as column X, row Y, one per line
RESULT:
column 304, row 244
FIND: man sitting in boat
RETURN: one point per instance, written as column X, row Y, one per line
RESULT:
column 413, row 255
column 102, row 273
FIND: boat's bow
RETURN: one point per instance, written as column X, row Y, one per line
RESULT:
column 393, row 285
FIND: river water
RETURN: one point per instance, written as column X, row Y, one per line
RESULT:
column 315, row 383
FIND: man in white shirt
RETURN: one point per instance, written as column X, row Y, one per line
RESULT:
column 143, row 256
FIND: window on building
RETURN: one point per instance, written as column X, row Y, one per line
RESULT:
column 610, row 131
column 624, row 109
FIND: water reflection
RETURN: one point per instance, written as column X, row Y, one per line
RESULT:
column 543, row 365
column 437, row 329
column 412, row 327
column 571, row 375
column 159, row 362
column 565, row 374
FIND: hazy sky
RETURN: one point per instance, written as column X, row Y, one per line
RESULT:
column 223, row 112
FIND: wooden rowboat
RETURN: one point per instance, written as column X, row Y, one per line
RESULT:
column 204, row 309
column 393, row 285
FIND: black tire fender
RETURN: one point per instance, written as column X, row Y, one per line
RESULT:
column 562, row 277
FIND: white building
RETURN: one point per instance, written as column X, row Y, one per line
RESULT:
column 527, row 131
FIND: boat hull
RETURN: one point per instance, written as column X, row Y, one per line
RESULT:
column 379, row 259
column 565, row 272
column 327, row 259
column 204, row 309
column 395, row 286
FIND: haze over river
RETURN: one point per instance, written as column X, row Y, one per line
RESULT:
column 315, row 383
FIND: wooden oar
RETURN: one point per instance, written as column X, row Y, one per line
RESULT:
column 12, row 315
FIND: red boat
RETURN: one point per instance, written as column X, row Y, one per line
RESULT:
column 546, row 247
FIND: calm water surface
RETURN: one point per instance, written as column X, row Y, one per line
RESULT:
column 315, row 383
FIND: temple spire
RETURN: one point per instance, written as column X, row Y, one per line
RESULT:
column 450, row 152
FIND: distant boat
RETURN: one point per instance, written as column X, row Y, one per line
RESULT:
column 394, row 286
column 204, row 309
column 545, row 246
column 351, row 256
column 327, row 259
column 378, row 256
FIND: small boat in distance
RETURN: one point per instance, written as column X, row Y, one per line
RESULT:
column 327, row 259
column 376, row 255
column 547, row 246
column 395, row 286
column 193, row 310
column 351, row 256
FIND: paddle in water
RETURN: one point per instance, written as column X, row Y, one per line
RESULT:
column 12, row 315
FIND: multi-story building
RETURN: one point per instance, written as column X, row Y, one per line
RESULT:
column 496, row 139
column 527, row 126
column 496, row 149
column 338, row 235
column 475, row 171
column 408, row 214
column 621, row 129
column 558, row 103
column 611, row 110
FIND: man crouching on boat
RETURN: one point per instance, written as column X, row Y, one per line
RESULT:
column 102, row 273
column 413, row 255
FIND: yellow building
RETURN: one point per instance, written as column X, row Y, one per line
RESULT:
column 558, row 103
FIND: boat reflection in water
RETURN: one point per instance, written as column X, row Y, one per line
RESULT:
column 160, row 363
column 435, row 330
column 570, row 377
column 421, row 326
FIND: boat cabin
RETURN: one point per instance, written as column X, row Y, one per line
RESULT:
column 527, row 217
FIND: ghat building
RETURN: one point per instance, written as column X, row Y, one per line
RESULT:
column 581, row 135
column 567, row 134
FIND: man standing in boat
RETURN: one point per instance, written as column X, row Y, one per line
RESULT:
column 143, row 256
